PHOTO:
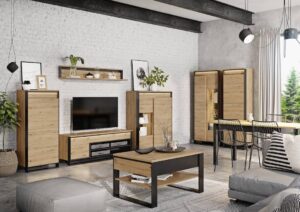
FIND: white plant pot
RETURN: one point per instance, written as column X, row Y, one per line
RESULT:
column 26, row 87
column 154, row 87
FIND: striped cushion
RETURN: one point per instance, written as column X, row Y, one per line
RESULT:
column 277, row 156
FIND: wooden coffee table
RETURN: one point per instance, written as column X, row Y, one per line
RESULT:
column 153, row 165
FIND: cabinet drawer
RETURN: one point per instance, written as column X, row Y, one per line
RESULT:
column 102, row 138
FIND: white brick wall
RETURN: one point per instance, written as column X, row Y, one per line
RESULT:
column 47, row 33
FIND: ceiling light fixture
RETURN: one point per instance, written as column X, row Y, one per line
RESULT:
column 246, row 34
column 289, row 32
column 12, row 66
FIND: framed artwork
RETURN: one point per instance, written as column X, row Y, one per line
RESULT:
column 41, row 82
column 29, row 72
column 140, row 69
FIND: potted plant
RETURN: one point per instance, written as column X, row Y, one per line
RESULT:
column 73, row 61
column 157, row 77
column 8, row 120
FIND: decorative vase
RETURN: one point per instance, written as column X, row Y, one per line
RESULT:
column 26, row 87
column 153, row 87
column 8, row 163
column 73, row 71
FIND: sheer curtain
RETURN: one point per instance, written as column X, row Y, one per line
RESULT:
column 269, row 76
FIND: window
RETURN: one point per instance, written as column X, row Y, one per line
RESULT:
column 290, row 76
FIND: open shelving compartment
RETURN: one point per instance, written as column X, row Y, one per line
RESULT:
column 177, row 177
column 146, row 130
column 81, row 73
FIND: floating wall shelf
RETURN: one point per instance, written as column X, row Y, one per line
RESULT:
column 100, row 74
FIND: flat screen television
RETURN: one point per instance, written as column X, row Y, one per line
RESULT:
column 90, row 113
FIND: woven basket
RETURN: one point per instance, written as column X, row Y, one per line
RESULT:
column 8, row 163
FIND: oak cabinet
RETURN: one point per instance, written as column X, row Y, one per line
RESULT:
column 220, row 94
column 147, row 114
column 37, row 135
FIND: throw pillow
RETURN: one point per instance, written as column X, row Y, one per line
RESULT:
column 283, row 153
column 285, row 201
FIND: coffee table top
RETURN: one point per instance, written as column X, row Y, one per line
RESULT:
column 154, row 157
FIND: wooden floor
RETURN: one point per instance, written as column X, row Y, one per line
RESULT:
column 94, row 171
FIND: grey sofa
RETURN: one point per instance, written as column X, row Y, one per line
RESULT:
column 257, row 184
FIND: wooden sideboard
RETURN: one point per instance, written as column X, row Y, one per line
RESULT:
column 93, row 146
column 37, row 135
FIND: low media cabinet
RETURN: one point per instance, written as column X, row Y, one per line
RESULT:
column 93, row 146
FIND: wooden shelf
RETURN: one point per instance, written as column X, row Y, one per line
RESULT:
column 64, row 73
column 176, row 178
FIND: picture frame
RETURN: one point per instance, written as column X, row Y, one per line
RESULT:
column 29, row 72
column 140, row 69
column 41, row 82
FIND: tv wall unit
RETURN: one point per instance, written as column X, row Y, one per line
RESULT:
column 84, row 147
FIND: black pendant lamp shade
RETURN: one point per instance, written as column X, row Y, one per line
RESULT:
column 12, row 67
column 246, row 35
column 290, row 33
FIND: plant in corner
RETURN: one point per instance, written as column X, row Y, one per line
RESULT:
column 8, row 120
column 73, row 61
column 156, row 77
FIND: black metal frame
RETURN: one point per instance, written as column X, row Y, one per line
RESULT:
column 41, row 70
column 164, row 167
column 26, row 167
column 71, row 161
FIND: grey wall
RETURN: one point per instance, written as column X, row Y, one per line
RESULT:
column 47, row 33
column 220, row 47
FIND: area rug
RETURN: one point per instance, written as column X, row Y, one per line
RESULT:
column 214, row 198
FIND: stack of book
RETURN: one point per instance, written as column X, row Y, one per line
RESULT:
column 147, row 180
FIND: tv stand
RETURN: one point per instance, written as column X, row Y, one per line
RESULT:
column 93, row 146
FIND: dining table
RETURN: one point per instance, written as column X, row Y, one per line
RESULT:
column 246, row 127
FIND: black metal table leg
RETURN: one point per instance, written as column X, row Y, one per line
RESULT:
column 116, row 183
column 234, row 144
column 296, row 131
column 200, row 173
column 215, row 158
column 153, row 189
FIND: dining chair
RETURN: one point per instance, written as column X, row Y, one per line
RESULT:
column 276, row 117
column 261, row 131
column 225, row 134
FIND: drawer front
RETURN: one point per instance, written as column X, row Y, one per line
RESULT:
column 103, row 138
column 132, row 166
column 80, row 146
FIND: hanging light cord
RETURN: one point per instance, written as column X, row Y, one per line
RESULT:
column 12, row 35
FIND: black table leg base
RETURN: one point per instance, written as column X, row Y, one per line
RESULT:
column 137, row 201
column 186, row 188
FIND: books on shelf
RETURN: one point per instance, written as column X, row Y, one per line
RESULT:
column 147, row 180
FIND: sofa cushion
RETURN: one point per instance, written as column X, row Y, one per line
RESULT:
column 260, row 181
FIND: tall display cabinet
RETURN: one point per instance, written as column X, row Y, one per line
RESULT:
column 147, row 114
column 37, row 135
column 220, row 94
